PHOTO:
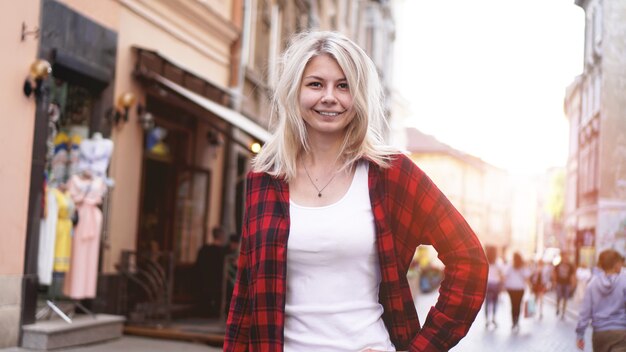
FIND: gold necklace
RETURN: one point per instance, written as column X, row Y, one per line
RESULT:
column 319, row 190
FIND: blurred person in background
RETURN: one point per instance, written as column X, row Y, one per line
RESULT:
column 539, row 283
column 209, row 269
column 495, row 281
column 515, row 279
column 230, row 270
column 604, row 306
column 564, row 279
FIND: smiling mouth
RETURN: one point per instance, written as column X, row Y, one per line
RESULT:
column 329, row 113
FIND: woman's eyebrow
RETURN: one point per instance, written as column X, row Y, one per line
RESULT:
column 322, row 79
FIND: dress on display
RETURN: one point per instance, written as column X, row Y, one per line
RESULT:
column 63, row 245
column 47, row 235
column 81, row 280
column 95, row 154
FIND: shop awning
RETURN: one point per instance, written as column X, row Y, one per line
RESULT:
column 231, row 116
column 208, row 95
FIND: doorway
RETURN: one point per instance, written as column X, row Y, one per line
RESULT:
column 173, row 217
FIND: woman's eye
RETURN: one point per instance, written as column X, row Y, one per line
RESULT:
column 343, row 85
column 314, row 84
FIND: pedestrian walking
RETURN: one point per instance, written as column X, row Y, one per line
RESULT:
column 333, row 217
column 604, row 306
column 539, row 284
column 564, row 278
column 495, row 281
column 515, row 278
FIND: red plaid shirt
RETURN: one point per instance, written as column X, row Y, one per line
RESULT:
column 409, row 210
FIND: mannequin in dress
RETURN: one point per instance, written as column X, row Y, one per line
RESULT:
column 95, row 154
column 63, row 243
column 87, row 191
column 47, row 237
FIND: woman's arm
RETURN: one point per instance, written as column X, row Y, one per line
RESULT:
column 584, row 317
column 434, row 220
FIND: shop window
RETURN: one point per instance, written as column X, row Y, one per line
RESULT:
column 192, row 191
column 70, row 111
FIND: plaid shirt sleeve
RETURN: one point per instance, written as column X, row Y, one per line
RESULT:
column 238, row 322
column 425, row 216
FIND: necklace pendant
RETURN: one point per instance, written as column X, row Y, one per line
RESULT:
column 319, row 195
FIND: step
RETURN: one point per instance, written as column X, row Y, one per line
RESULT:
column 84, row 329
column 181, row 333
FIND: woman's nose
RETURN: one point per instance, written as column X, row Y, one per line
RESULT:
column 329, row 97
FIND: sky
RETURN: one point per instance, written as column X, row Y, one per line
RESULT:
column 488, row 77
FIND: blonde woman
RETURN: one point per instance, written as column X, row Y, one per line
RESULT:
column 333, row 218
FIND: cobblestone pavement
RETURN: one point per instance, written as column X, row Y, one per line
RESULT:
column 549, row 334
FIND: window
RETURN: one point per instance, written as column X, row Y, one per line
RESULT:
column 589, row 39
column 72, row 107
column 597, row 88
column 593, row 33
column 588, row 173
column 597, row 28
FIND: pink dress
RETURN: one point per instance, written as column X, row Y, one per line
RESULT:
column 81, row 280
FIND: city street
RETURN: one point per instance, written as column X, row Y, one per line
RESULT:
column 549, row 334
column 137, row 135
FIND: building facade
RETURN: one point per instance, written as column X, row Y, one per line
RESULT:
column 480, row 191
column 595, row 106
column 572, row 112
column 551, row 229
column 180, row 88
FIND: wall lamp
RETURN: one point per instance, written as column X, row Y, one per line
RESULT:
column 213, row 138
column 39, row 70
column 255, row 147
column 124, row 103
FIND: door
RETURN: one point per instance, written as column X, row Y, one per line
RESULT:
column 190, row 228
column 174, row 203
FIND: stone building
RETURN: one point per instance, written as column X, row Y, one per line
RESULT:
column 481, row 192
column 180, row 88
column 595, row 105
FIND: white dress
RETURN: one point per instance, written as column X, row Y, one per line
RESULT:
column 47, row 239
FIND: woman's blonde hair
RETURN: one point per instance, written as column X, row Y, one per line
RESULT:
column 363, row 136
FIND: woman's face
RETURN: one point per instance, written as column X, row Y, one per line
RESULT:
column 326, row 103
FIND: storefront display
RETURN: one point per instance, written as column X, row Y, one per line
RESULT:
column 87, row 192
column 76, row 169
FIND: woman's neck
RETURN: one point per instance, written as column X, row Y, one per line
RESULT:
column 324, row 151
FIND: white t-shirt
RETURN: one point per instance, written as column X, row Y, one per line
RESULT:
column 333, row 276
column 515, row 279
